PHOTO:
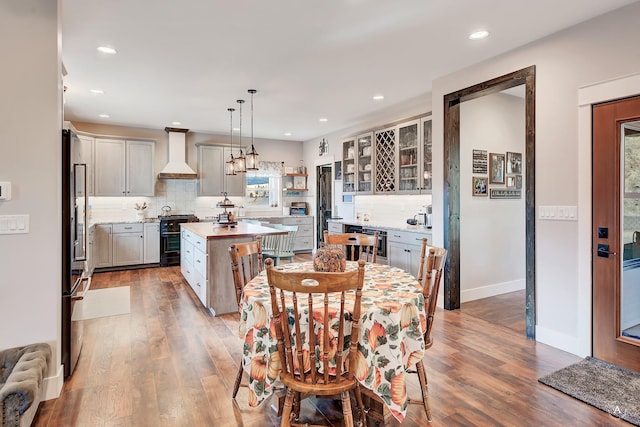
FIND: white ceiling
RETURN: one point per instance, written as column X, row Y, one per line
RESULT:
column 190, row 60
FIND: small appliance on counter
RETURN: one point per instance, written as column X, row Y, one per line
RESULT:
column 425, row 216
column 298, row 208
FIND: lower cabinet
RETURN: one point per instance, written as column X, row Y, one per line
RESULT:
column 193, row 263
column 126, row 243
column 151, row 242
column 403, row 250
column 102, row 246
column 335, row 228
column 304, row 236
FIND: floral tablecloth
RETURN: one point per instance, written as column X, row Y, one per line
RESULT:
column 391, row 339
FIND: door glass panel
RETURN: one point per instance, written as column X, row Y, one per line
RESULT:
column 630, row 229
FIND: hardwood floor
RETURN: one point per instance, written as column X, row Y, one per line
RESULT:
column 168, row 363
column 506, row 310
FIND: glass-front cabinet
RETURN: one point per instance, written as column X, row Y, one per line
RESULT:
column 427, row 153
column 349, row 165
column 365, row 163
column 408, row 159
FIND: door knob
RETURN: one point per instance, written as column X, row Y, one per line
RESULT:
column 603, row 251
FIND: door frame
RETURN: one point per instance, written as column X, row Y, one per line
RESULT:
column 451, row 194
column 604, row 91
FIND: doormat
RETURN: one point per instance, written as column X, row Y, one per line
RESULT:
column 608, row 387
column 106, row 302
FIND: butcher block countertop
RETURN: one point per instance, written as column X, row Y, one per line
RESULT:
column 208, row 230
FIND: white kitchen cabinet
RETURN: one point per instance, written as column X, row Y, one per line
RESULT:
column 193, row 263
column 124, row 167
column 91, row 260
column 335, row 228
column 128, row 243
column 403, row 249
column 84, row 155
column 304, row 236
column 212, row 180
column 103, row 245
column 151, row 242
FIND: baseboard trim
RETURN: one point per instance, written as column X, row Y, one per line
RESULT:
column 568, row 343
column 491, row 290
column 53, row 385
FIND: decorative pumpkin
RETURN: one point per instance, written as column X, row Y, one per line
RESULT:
column 258, row 368
column 399, row 389
column 329, row 260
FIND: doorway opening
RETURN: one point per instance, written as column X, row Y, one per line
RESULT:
column 324, row 197
column 452, row 185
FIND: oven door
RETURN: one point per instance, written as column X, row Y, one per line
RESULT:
column 381, row 252
column 170, row 242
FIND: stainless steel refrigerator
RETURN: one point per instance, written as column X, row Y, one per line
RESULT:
column 74, row 240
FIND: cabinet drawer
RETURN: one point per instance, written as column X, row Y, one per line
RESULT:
column 303, row 244
column 134, row 227
column 305, row 230
column 200, row 262
column 297, row 220
column 406, row 237
column 187, row 270
column 197, row 241
column 186, row 251
column 335, row 228
column 199, row 286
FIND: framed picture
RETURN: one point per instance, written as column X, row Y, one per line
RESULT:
column 496, row 168
column 518, row 182
column 511, row 181
column 505, row 193
column 514, row 163
column 337, row 167
column 480, row 161
column 480, row 185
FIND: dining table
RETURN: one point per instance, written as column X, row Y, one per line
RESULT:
column 391, row 340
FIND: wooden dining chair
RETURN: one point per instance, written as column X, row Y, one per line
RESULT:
column 246, row 263
column 432, row 263
column 355, row 245
column 292, row 293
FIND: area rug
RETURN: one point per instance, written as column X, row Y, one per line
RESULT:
column 610, row 388
column 106, row 302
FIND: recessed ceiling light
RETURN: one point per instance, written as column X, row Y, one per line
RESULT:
column 176, row 123
column 479, row 35
column 324, row 119
column 107, row 49
column 104, row 116
column 97, row 91
column 378, row 97
column 287, row 134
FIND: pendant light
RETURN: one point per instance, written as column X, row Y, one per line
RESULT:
column 230, row 168
column 240, row 166
column 252, row 156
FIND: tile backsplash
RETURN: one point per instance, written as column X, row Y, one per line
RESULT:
column 391, row 209
column 179, row 194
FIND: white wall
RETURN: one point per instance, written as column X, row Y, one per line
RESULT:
column 590, row 52
column 30, row 137
column 492, row 244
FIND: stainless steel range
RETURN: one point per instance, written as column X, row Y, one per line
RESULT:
column 170, row 238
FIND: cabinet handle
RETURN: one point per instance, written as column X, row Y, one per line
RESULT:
column 128, row 228
column 197, row 260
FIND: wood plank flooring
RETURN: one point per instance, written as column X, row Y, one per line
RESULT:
column 169, row 363
column 506, row 310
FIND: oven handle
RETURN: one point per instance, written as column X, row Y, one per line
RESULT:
column 169, row 233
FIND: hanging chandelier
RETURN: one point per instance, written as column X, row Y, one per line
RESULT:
column 240, row 165
column 229, row 166
column 251, row 161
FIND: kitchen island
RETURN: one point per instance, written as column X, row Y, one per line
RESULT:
column 205, row 262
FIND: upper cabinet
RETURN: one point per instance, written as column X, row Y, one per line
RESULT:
column 386, row 164
column 408, row 156
column 349, row 166
column 84, row 155
column 364, row 150
column 124, row 167
column 212, row 180
column 427, row 153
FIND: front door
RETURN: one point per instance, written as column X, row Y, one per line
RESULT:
column 616, row 232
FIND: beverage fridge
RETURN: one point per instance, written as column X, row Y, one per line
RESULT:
column 75, row 281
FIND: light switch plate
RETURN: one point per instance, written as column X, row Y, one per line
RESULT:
column 14, row 224
column 5, row 190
